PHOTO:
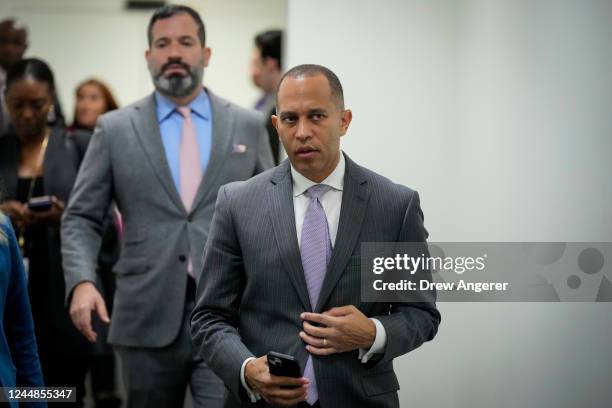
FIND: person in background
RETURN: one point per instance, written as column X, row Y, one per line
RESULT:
column 266, row 72
column 39, row 163
column 13, row 44
column 162, row 160
column 19, row 363
column 94, row 98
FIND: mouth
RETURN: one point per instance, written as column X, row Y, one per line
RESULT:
column 306, row 152
column 174, row 69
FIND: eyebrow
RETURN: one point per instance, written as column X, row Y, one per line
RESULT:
column 182, row 37
column 310, row 112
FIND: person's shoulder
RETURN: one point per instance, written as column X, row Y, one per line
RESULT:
column 377, row 182
column 237, row 110
column 124, row 114
column 256, row 185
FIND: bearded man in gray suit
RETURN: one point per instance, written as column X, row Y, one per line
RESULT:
column 282, row 267
column 162, row 160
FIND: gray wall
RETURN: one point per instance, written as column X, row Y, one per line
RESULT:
column 499, row 113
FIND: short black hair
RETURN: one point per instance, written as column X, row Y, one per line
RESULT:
column 309, row 70
column 31, row 67
column 270, row 45
column 171, row 10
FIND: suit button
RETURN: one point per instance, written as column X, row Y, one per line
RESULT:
column 190, row 218
column 182, row 258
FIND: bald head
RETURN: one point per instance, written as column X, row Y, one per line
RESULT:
column 311, row 70
column 13, row 42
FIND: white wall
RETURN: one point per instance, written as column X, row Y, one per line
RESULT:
column 83, row 38
column 498, row 112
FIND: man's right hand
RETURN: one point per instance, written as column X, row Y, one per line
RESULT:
column 85, row 299
column 272, row 388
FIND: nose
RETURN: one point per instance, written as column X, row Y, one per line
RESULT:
column 302, row 132
column 27, row 112
column 174, row 51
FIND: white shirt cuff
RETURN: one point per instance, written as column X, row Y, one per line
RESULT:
column 252, row 395
column 378, row 347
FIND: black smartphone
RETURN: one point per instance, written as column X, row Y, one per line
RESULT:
column 42, row 203
column 283, row 365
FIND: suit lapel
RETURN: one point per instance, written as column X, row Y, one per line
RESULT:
column 282, row 215
column 354, row 203
column 147, row 130
column 222, row 130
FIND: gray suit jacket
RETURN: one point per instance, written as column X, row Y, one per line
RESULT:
column 253, row 289
column 126, row 162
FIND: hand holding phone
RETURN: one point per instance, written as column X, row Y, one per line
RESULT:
column 40, row 204
column 283, row 365
column 263, row 376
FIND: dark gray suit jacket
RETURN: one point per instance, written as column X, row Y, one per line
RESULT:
column 252, row 289
column 126, row 162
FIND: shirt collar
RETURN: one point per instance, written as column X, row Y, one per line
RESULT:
column 335, row 180
column 200, row 105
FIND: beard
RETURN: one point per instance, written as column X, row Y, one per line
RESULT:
column 177, row 85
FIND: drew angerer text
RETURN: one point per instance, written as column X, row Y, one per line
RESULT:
column 425, row 284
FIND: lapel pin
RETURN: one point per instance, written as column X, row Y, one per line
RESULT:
column 239, row 148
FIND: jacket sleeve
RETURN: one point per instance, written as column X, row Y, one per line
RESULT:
column 215, row 317
column 18, row 322
column 410, row 324
column 83, row 219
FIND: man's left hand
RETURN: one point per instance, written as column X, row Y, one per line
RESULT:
column 342, row 329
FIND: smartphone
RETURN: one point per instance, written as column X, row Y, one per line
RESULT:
column 42, row 203
column 283, row 365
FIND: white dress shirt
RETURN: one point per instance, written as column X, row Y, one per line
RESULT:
column 331, row 202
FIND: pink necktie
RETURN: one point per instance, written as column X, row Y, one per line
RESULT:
column 189, row 158
column 190, row 165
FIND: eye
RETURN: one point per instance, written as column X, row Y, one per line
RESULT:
column 161, row 43
column 288, row 119
column 316, row 116
column 188, row 42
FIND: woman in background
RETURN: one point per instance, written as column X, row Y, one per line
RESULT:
column 94, row 98
column 38, row 166
column 19, row 364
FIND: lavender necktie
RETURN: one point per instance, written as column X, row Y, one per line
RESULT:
column 316, row 252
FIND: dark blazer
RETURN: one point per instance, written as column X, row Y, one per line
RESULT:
column 253, row 289
column 47, row 286
column 19, row 363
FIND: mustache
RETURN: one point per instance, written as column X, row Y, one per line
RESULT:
column 167, row 65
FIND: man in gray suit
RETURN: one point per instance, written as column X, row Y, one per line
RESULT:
column 162, row 160
column 282, row 267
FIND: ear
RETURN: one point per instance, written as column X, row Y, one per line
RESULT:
column 148, row 54
column 275, row 122
column 271, row 64
column 207, row 54
column 347, row 116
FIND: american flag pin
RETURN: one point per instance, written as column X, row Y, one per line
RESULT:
column 239, row 148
